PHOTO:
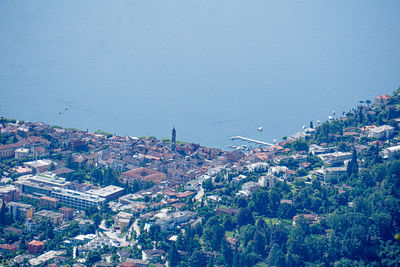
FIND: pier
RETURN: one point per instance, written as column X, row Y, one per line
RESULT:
column 251, row 140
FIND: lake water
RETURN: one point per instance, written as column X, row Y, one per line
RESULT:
column 211, row 68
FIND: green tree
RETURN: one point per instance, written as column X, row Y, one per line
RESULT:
column 92, row 258
column 197, row 259
column 173, row 256
column 276, row 256
column 352, row 166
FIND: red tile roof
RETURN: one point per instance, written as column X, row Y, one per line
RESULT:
column 383, row 97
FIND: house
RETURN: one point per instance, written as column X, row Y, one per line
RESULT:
column 335, row 158
column 310, row 218
column 267, row 180
column 67, row 212
column 142, row 174
column 8, row 151
column 54, row 217
column 8, row 249
column 250, row 187
column 40, row 165
column 153, row 255
column 382, row 100
column 35, row 247
column 9, row 193
column 384, row 131
column 168, row 221
column 122, row 220
column 22, row 153
column 390, row 152
column 30, row 225
column 134, row 263
column 20, row 210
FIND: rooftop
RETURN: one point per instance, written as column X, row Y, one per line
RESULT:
column 76, row 194
column 106, row 191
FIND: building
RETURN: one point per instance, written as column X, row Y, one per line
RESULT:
column 40, row 184
column 46, row 178
column 30, row 225
column 67, row 212
column 75, row 199
column 168, row 221
column 382, row 100
column 40, row 165
column 8, row 249
column 142, row 174
column 390, row 152
column 310, row 218
column 8, row 151
column 48, row 202
column 45, row 257
column 122, row 220
column 54, row 217
column 9, row 193
column 21, row 153
column 250, row 187
column 335, row 158
column 134, row 263
column 384, row 131
column 20, row 210
column 153, row 255
column 35, row 247
column 327, row 174
column 109, row 193
column 267, row 180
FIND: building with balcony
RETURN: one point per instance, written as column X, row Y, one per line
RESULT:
column 9, row 193
column 20, row 210
column 75, row 199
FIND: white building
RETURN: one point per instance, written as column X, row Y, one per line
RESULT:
column 168, row 221
column 22, row 153
column 75, row 199
column 122, row 220
column 390, row 152
column 335, row 158
column 267, row 181
column 258, row 167
column 384, row 131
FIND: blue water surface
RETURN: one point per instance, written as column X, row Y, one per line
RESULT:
column 211, row 68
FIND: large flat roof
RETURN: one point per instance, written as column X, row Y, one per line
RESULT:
column 106, row 191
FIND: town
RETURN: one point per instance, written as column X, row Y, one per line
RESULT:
column 76, row 198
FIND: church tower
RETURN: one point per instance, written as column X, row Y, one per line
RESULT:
column 173, row 139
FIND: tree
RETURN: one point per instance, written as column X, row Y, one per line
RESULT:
column 276, row 256
column 244, row 217
column 226, row 252
column 173, row 256
column 93, row 257
column 96, row 219
column 3, row 213
column 300, row 145
column 197, row 259
column 352, row 166
column 208, row 185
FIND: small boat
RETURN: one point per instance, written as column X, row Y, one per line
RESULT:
column 260, row 129
column 59, row 112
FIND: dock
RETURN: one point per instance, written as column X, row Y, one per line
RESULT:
column 251, row 140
